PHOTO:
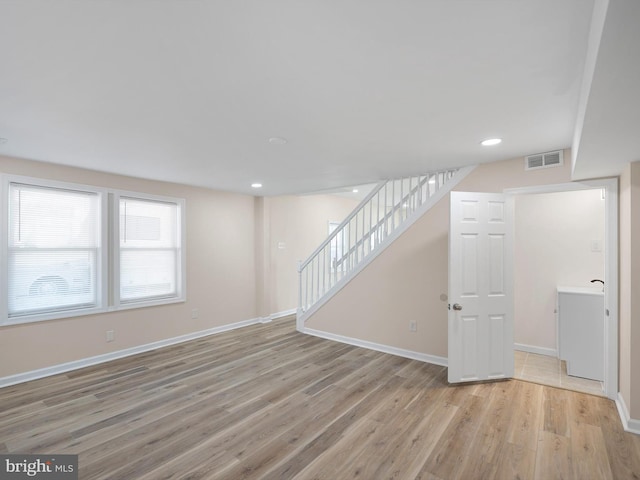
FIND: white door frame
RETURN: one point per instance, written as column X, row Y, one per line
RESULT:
column 610, row 186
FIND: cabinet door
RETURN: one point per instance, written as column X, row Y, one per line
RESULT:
column 582, row 334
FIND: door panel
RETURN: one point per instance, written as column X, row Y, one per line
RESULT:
column 496, row 264
column 480, row 283
column 469, row 259
column 496, row 346
column 470, row 350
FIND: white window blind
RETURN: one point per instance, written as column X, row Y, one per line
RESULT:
column 53, row 249
column 149, row 249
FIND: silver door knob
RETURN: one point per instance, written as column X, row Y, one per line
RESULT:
column 457, row 306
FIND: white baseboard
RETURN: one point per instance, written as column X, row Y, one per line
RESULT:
column 630, row 425
column 86, row 362
column 285, row 313
column 550, row 352
column 423, row 357
column 276, row 316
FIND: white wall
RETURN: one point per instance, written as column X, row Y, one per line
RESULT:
column 553, row 247
column 629, row 334
column 297, row 226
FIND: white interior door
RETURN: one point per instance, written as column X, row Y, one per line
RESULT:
column 480, row 287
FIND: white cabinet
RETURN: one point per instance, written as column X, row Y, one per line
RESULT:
column 581, row 331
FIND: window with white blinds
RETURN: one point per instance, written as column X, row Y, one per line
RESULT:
column 53, row 249
column 70, row 250
column 149, row 249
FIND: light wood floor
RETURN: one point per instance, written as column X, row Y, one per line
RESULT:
column 552, row 371
column 266, row 402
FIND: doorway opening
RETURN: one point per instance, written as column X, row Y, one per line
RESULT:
column 565, row 237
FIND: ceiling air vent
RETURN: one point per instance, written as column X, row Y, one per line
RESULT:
column 543, row 160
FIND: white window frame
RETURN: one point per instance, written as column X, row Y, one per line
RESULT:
column 108, row 263
column 101, row 260
column 116, row 303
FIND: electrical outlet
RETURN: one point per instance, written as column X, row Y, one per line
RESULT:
column 111, row 335
column 194, row 313
column 413, row 326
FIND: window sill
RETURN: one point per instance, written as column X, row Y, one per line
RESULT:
column 148, row 303
column 43, row 317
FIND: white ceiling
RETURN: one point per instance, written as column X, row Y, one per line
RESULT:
column 608, row 128
column 191, row 91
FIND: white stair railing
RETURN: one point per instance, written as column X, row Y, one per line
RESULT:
column 372, row 222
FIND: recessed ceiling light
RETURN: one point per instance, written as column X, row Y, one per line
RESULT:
column 256, row 185
column 3, row 140
column 355, row 190
column 277, row 141
column 491, row 141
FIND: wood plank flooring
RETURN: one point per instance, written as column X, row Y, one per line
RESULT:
column 265, row 402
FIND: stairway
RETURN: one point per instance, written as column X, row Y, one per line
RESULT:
column 389, row 209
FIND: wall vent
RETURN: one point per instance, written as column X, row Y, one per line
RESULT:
column 543, row 160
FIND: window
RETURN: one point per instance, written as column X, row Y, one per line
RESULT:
column 75, row 250
column 149, row 249
column 54, row 249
